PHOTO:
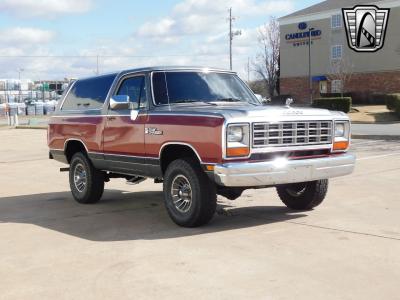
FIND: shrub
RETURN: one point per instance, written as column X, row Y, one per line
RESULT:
column 340, row 104
column 361, row 98
column 395, row 102
column 391, row 101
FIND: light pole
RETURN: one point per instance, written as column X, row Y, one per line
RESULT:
column 232, row 34
column 20, row 70
column 309, row 62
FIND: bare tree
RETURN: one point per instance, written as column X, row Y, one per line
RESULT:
column 266, row 64
column 341, row 69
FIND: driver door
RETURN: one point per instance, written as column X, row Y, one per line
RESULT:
column 123, row 138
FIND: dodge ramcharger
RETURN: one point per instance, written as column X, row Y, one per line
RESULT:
column 201, row 132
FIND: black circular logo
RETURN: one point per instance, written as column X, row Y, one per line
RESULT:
column 303, row 26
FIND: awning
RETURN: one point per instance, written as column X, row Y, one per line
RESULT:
column 319, row 78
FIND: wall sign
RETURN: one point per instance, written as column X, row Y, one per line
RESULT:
column 302, row 37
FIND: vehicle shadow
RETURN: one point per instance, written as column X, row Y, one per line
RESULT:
column 124, row 216
column 384, row 117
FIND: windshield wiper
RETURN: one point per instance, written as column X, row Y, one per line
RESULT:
column 191, row 101
column 228, row 100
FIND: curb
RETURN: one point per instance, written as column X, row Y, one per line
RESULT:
column 30, row 127
column 376, row 137
column 374, row 123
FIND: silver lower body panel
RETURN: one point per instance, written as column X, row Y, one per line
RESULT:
column 283, row 171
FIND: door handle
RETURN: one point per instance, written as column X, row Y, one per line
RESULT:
column 111, row 118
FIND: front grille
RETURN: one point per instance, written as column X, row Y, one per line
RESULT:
column 287, row 134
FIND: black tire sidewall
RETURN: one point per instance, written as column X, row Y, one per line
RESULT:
column 314, row 194
column 95, row 184
column 201, row 195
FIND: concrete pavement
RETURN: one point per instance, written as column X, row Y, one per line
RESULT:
column 126, row 247
column 376, row 131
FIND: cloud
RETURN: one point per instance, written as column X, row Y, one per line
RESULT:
column 196, row 17
column 43, row 8
column 191, row 33
column 19, row 36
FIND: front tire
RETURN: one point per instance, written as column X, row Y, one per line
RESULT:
column 190, row 197
column 303, row 196
column 86, row 182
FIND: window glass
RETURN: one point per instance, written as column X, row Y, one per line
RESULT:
column 135, row 88
column 336, row 86
column 88, row 93
column 336, row 21
column 337, row 52
column 181, row 87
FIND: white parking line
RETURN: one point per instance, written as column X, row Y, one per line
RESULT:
column 378, row 156
column 355, row 143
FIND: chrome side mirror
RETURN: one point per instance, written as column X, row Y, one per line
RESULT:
column 119, row 102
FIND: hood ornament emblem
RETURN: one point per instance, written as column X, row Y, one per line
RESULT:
column 289, row 102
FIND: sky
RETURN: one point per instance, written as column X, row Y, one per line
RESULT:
column 57, row 39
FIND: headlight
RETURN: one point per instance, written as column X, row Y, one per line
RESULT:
column 342, row 136
column 235, row 134
column 339, row 130
column 238, row 140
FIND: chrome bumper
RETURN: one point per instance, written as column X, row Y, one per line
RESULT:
column 283, row 171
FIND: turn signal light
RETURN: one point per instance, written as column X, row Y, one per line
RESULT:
column 210, row 167
column 238, row 152
column 337, row 146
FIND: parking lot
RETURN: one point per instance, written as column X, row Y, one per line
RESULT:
column 126, row 247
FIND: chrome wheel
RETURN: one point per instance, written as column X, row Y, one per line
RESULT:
column 80, row 177
column 181, row 193
column 296, row 190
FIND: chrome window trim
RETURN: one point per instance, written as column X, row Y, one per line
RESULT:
column 121, row 79
column 66, row 94
column 90, row 109
column 190, row 70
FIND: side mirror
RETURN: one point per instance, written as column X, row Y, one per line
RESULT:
column 119, row 102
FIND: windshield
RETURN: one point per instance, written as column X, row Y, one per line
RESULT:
column 187, row 87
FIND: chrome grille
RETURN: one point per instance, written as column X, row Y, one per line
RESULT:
column 285, row 134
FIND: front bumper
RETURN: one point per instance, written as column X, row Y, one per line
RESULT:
column 282, row 171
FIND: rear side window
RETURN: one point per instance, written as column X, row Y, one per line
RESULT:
column 89, row 93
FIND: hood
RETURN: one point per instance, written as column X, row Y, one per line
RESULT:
column 244, row 110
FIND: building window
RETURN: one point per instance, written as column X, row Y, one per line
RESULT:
column 337, row 52
column 336, row 86
column 336, row 21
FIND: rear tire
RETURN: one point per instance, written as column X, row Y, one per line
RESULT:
column 86, row 182
column 190, row 197
column 303, row 196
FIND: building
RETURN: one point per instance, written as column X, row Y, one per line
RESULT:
column 335, row 67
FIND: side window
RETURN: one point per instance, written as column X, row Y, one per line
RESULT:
column 88, row 93
column 336, row 52
column 336, row 86
column 336, row 21
column 135, row 88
